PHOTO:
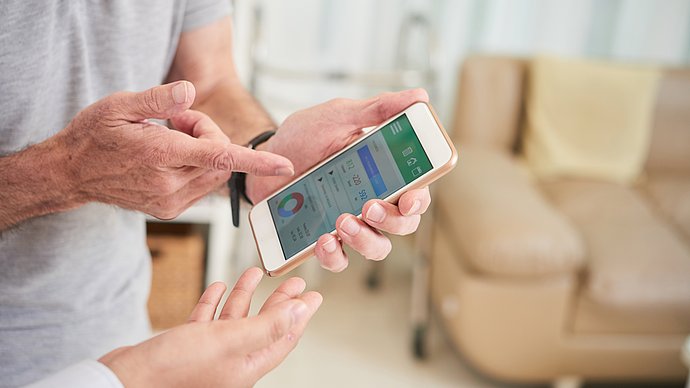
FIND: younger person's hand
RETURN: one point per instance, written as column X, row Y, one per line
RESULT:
column 234, row 351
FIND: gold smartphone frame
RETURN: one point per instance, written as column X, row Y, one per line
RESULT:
column 425, row 180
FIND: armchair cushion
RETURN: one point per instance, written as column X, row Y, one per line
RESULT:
column 501, row 222
column 669, row 148
column 670, row 192
column 636, row 260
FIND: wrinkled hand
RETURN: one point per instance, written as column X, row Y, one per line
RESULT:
column 114, row 155
column 311, row 135
column 233, row 351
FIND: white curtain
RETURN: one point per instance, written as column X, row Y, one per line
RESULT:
column 361, row 35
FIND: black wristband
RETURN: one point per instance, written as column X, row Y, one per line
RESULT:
column 237, row 180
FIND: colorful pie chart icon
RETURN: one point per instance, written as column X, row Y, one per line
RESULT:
column 290, row 204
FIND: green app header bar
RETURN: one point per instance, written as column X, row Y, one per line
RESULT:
column 407, row 151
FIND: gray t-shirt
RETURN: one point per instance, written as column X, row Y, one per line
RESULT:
column 74, row 285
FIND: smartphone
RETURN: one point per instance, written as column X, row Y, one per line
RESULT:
column 410, row 150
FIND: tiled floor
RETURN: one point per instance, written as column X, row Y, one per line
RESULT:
column 361, row 338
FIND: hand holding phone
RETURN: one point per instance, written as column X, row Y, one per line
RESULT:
column 311, row 135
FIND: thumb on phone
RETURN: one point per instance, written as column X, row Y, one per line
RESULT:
column 375, row 110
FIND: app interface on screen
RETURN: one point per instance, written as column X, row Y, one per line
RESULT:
column 375, row 168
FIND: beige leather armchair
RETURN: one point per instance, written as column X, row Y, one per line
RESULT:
column 539, row 281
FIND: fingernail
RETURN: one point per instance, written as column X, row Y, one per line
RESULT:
column 179, row 93
column 415, row 206
column 376, row 213
column 329, row 246
column 342, row 267
column 298, row 311
column 350, row 226
column 285, row 171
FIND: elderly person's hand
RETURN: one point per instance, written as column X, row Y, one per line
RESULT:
column 113, row 154
column 233, row 351
column 311, row 135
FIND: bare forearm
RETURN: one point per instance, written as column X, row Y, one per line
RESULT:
column 205, row 57
column 34, row 183
column 236, row 111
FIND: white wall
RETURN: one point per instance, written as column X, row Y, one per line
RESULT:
column 358, row 35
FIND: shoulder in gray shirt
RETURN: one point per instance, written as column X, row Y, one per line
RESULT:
column 74, row 285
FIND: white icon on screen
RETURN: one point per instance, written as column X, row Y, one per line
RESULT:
column 395, row 128
column 411, row 161
column 407, row 151
column 416, row 171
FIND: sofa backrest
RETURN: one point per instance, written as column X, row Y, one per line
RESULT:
column 490, row 100
column 489, row 110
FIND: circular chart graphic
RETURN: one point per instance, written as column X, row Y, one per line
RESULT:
column 290, row 204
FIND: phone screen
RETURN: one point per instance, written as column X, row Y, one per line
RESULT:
column 376, row 167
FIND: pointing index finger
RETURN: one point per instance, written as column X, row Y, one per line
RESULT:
column 260, row 163
column 177, row 149
column 239, row 301
column 199, row 125
column 205, row 309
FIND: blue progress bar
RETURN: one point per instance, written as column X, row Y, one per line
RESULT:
column 372, row 170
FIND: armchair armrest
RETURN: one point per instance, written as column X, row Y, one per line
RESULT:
column 502, row 224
